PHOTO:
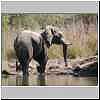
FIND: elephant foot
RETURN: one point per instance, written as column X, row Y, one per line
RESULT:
column 41, row 70
column 19, row 73
column 25, row 73
column 41, row 74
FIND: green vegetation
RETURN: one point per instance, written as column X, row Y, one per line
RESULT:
column 10, row 54
column 73, row 52
column 5, row 21
column 80, row 29
column 55, row 52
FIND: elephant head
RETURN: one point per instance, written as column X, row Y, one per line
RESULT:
column 53, row 36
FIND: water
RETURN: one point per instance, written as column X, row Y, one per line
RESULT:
column 48, row 80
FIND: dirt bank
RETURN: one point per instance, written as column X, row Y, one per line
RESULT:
column 76, row 67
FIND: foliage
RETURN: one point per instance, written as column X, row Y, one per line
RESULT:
column 73, row 52
column 55, row 51
column 80, row 29
column 10, row 54
column 5, row 21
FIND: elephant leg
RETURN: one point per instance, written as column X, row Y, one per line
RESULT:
column 23, row 59
column 42, row 60
column 25, row 70
column 17, row 67
column 41, row 67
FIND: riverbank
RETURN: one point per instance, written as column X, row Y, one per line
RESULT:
column 76, row 67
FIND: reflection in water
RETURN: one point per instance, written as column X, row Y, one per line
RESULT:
column 25, row 81
column 22, row 80
column 18, row 81
column 41, row 80
column 49, row 80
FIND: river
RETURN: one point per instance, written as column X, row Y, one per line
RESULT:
column 48, row 80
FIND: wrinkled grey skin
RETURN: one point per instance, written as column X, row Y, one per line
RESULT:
column 30, row 45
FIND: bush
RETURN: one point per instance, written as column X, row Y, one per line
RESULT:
column 10, row 54
column 91, row 46
column 55, row 51
column 73, row 52
column 83, row 43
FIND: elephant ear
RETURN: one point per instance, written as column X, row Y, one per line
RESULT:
column 46, row 38
column 47, row 35
column 48, row 30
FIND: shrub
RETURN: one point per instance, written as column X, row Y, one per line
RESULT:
column 73, row 52
column 55, row 52
column 10, row 54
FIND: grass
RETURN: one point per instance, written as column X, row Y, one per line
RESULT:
column 10, row 54
column 76, row 50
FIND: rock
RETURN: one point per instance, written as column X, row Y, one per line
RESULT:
column 5, row 68
column 5, row 72
column 57, row 67
column 68, row 71
column 9, row 68
column 51, row 67
column 90, row 70
column 76, row 74
column 76, row 69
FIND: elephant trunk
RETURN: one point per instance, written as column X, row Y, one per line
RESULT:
column 65, row 54
column 65, row 47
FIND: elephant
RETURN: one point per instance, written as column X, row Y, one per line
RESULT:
column 30, row 45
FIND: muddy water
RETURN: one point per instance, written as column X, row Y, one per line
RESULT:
column 48, row 80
